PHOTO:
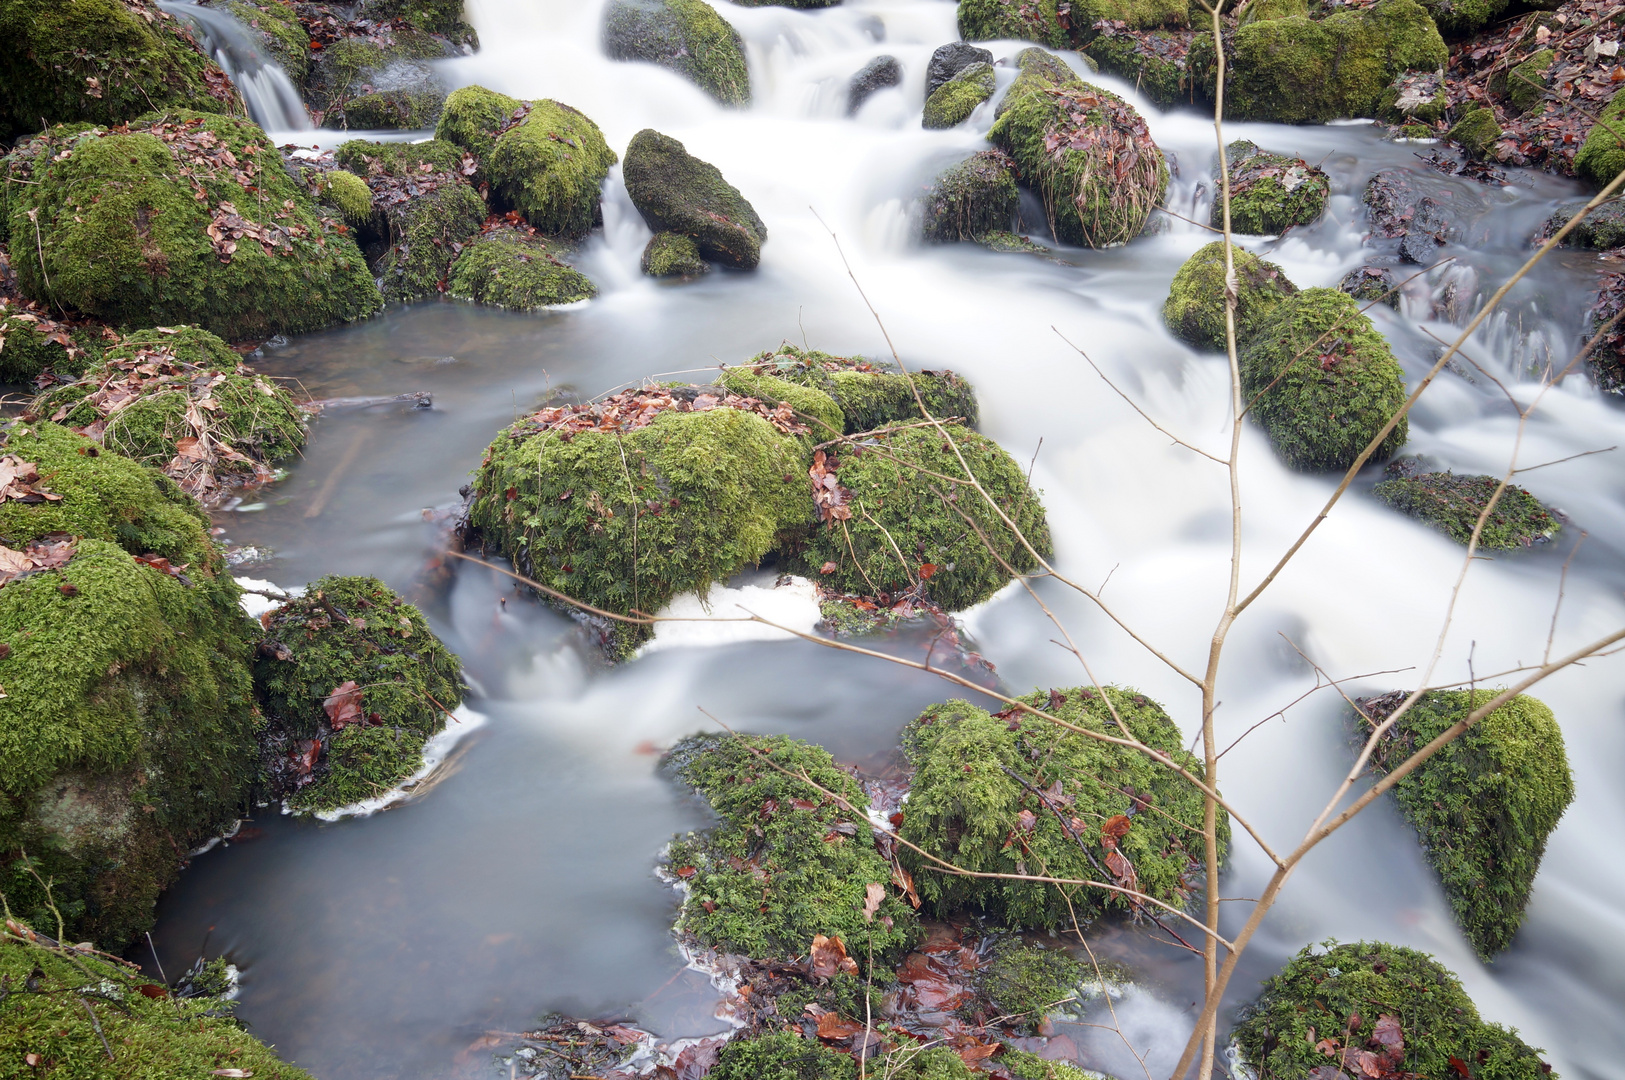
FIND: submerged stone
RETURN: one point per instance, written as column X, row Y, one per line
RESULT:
column 1269, row 193
column 1399, row 211
column 516, row 269
column 1452, row 504
column 1371, row 283
column 873, row 77
column 677, row 192
column 686, row 36
column 954, row 101
column 1601, row 230
column 972, row 199
column 1194, row 310
column 949, row 60
column 673, row 255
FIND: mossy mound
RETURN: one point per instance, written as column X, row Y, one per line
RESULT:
column 1602, row 156
column 1024, row 1066
column 1194, row 310
column 781, row 1055
column 184, row 218
column 1607, row 361
column 1452, row 504
column 1524, row 86
column 974, row 800
column 1484, row 805
column 1602, row 230
column 1026, row 982
column 670, row 254
column 866, row 395
column 1085, row 152
column 100, row 62
column 77, row 1005
column 355, row 670
column 1270, row 193
column 994, row 20
column 953, row 102
column 784, row 863
column 1322, row 382
column 1154, row 61
column 279, row 31
column 971, row 199
column 380, row 81
column 440, row 17
column 347, row 193
column 1344, row 992
column 1416, row 97
column 32, row 343
column 949, row 60
column 685, row 36
column 1476, row 133
column 676, row 192
column 517, row 269
column 1260, row 10
column 1458, row 18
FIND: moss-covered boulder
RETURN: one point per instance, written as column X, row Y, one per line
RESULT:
column 517, row 269
column 353, row 683
column 1476, row 133
column 128, row 724
column 1601, row 230
column 784, row 863
column 781, row 1055
column 864, row 395
column 1524, row 86
column 1602, row 155
column 183, row 218
column 32, row 343
column 1155, row 61
column 971, row 199
column 994, row 20
column 280, row 33
column 100, row 62
column 1194, row 310
column 1416, row 97
column 1260, row 10
column 347, row 193
column 949, row 60
column 1452, row 504
column 676, row 192
column 381, row 80
column 1322, row 382
column 1459, row 18
column 443, row 18
column 1399, row 1005
column 686, row 36
column 1484, row 805
column 1086, row 153
column 670, row 254
column 1014, row 794
column 1269, row 193
column 953, row 102
column 1026, row 982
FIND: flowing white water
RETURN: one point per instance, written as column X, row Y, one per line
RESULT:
column 522, row 884
column 272, row 99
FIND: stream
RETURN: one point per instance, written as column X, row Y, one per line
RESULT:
column 521, row 881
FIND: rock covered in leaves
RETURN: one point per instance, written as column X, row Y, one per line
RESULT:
column 993, row 20
column 1371, row 283
column 850, row 393
column 877, row 75
column 1416, row 97
column 1452, row 504
column 1014, row 793
column 1476, row 132
column 1324, row 381
column 685, row 36
column 353, row 683
column 1270, row 193
column 971, row 199
column 676, row 192
column 1375, row 1010
column 1484, row 805
column 512, row 266
column 669, row 254
column 1399, row 211
column 1194, row 310
column 954, row 101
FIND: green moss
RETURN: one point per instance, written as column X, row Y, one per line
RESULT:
column 1602, row 230
column 1476, row 133
column 1458, row 18
column 1323, row 382
column 1269, row 193
column 965, row 804
column 378, row 82
column 28, row 347
column 783, row 863
column 348, row 194
column 153, row 1037
column 781, row 1055
column 971, row 199
column 673, row 255
column 472, row 118
column 1194, row 310
column 676, row 192
column 426, row 233
column 362, row 763
column 994, row 20
column 1024, row 1066
column 813, row 406
column 280, row 32
column 551, row 167
column 1525, row 85
column 685, row 36
column 405, row 108
column 514, row 270
column 1008, row 243
column 1602, row 156
column 1025, row 983
column 869, row 395
column 1453, row 503
column 399, row 159
column 1484, row 805
column 956, row 99
column 1324, row 991
column 1152, row 60
column 442, row 17
column 122, row 236
column 1414, row 98
column 1261, row 10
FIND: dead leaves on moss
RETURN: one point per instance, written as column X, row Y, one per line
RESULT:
column 630, row 410
column 829, row 497
column 20, row 482
column 47, row 553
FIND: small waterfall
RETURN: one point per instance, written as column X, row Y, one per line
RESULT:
column 272, row 99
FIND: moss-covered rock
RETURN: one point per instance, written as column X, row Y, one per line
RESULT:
column 1024, row 1066
column 686, row 36
column 519, row 270
column 1452, row 504
column 1484, row 805
column 347, row 193
column 781, row 1055
column 32, row 343
column 1270, row 193
column 473, row 119
column 1458, row 18
column 1026, row 982
column 1602, row 155
column 971, row 199
column 1322, row 382
column 1260, row 10
column 1476, row 133
column 353, row 683
column 440, row 17
column 676, row 192
column 1103, row 176
column 1371, row 283
column 282, row 36
column 380, row 81
column 1525, row 85
column 953, row 102
column 993, row 20
column 975, row 787
column 184, row 218
column 1194, row 310
column 1601, row 230
column 784, row 863
column 812, row 406
column 1345, row 991
column 670, row 254
column 1154, row 61
column 1416, row 97
column 866, row 395
column 949, row 60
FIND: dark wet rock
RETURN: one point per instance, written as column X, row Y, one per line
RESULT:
column 1368, row 283
column 1476, row 133
column 1416, row 97
column 1194, row 310
column 1397, row 210
column 1270, row 193
column 972, row 199
column 516, row 268
column 1601, row 230
column 677, row 192
column 953, row 102
column 686, row 36
column 876, row 75
column 673, row 255
column 1607, row 360
column 1452, row 504
column 949, row 60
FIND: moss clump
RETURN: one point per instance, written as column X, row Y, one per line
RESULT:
column 472, row 119
column 1260, row 10
column 280, row 33
column 440, row 17
column 383, row 81
column 868, row 395
column 1477, row 132
column 1090, row 195
column 124, row 237
column 812, row 406
column 426, row 234
column 1024, row 1066
column 1323, row 382
column 398, row 160
column 1416, row 97
column 965, row 806
column 677, row 192
column 32, row 343
column 953, row 102
column 1327, row 992
column 161, row 1036
column 783, row 863
column 1602, row 230
column 673, row 255
column 1269, row 193
column 1525, row 85
column 971, row 199
column 994, row 20
column 1458, row 18
column 517, row 270
column 1452, row 504
column 781, row 1055
column 1025, row 982
column 685, row 36
column 347, row 193
column 1484, row 805
column 1154, row 61
column 352, row 630
column 1601, row 157
column 1194, row 310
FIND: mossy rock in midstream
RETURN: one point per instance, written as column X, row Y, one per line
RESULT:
column 517, row 269
column 1416, row 97
column 676, row 192
column 542, row 158
column 1344, row 992
column 1452, row 504
column 127, row 731
column 279, row 31
column 1323, row 382
column 383, row 81
column 976, row 783
column 685, row 36
column 850, row 393
column 32, row 343
column 1194, row 310
column 1484, row 805
column 1602, row 155
column 669, row 254
column 123, row 237
column 1476, row 132
column 1601, row 230
column 953, row 102
column 1269, row 193
column 1090, row 197
column 1025, row 983
column 784, row 863
column 353, row 683
column 69, row 1007
column 1372, row 284
column 1153, row 60
column 101, row 62
column 971, row 199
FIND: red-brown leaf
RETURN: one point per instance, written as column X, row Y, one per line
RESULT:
column 343, row 705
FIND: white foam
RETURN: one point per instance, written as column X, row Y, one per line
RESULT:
column 793, row 604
